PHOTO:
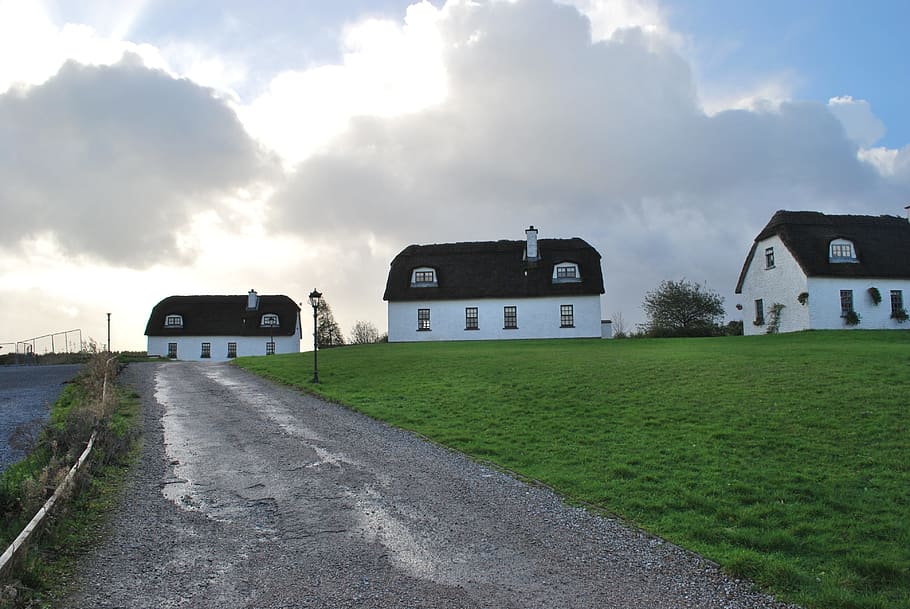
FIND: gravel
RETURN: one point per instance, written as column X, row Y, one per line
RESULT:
column 250, row 494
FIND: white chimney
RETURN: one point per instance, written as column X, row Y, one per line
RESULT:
column 908, row 212
column 531, row 251
column 252, row 300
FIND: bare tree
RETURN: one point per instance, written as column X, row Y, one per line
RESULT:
column 363, row 333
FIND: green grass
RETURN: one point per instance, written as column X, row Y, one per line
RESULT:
column 784, row 458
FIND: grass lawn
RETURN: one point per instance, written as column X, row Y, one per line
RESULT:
column 784, row 458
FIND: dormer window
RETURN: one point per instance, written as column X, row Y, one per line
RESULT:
column 566, row 272
column 173, row 321
column 842, row 250
column 424, row 277
column 270, row 320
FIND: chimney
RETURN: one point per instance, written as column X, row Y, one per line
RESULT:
column 907, row 208
column 252, row 300
column 531, row 251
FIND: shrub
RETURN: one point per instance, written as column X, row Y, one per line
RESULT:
column 852, row 318
column 875, row 295
column 900, row 315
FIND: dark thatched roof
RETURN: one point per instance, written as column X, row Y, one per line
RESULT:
column 494, row 269
column 882, row 244
column 223, row 316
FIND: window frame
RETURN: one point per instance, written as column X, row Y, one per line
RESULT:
column 759, row 312
column 566, row 272
column 172, row 350
column 231, row 350
column 567, row 316
column 769, row 257
column 270, row 320
column 471, row 318
column 424, row 277
column 846, row 302
column 206, row 351
column 897, row 301
column 510, row 314
column 173, row 320
column 270, row 348
column 423, row 320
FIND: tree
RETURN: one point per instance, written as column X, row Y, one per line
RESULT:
column 681, row 308
column 364, row 333
column 327, row 328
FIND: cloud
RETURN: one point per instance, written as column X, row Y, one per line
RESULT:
column 605, row 140
column 856, row 116
column 112, row 161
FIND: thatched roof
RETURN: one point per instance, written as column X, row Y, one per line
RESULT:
column 494, row 269
column 223, row 316
column 881, row 244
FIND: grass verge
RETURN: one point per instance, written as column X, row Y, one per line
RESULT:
column 784, row 458
column 40, row 574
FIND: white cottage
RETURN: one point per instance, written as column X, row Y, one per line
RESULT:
column 546, row 288
column 808, row 270
column 218, row 328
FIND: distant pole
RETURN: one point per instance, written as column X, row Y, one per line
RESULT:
column 109, row 350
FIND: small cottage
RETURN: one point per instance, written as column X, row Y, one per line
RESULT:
column 217, row 328
column 808, row 270
column 536, row 288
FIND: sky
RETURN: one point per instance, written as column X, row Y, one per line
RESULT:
column 151, row 148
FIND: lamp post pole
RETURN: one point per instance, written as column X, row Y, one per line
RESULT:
column 315, row 297
column 109, row 333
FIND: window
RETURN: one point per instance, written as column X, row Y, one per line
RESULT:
column 172, row 350
column 423, row 320
column 769, row 257
column 759, row 312
column 842, row 250
column 470, row 318
column 270, row 320
column 566, row 316
column 566, row 272
column 232, row 349
column 423, row 277
column 846, row 302
column 173, row 321
column 270, row 348
column 206, row 350
column 897, row 303
column 510, row 318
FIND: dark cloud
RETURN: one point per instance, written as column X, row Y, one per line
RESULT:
column 114, row 159
column 602, row 140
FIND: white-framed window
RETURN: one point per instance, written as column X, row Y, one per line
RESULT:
column 769, row 257
column 270, row 348
column 759, row 312
column 270, row 320
column 470, row 319
column 206, row 350
column 842, row 250
column 173, row 321
column 232, row 350
column 510, row 318
column 424, row 277
column 566, row 316
column 172, row 350
column 423, row 320
column 566, row 272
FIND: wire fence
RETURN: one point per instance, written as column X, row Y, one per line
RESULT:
column 27, row 350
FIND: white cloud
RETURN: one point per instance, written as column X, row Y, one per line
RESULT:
column 860, row 124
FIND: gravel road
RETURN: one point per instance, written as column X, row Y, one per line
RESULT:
column 250, row 494
column 26, row 393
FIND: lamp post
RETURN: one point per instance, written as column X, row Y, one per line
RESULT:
column 315, row 297
column 109, row 333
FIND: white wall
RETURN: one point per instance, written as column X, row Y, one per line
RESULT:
column 537, row 318
column 781, row 284
column 190, row 347
column 824, row 303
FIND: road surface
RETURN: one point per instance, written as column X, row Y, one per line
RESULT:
column 250, row 494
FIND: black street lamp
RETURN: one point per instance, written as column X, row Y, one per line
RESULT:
column 315, row 297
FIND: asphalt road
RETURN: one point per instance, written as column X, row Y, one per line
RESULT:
column 250, row 494
column 26, row 393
